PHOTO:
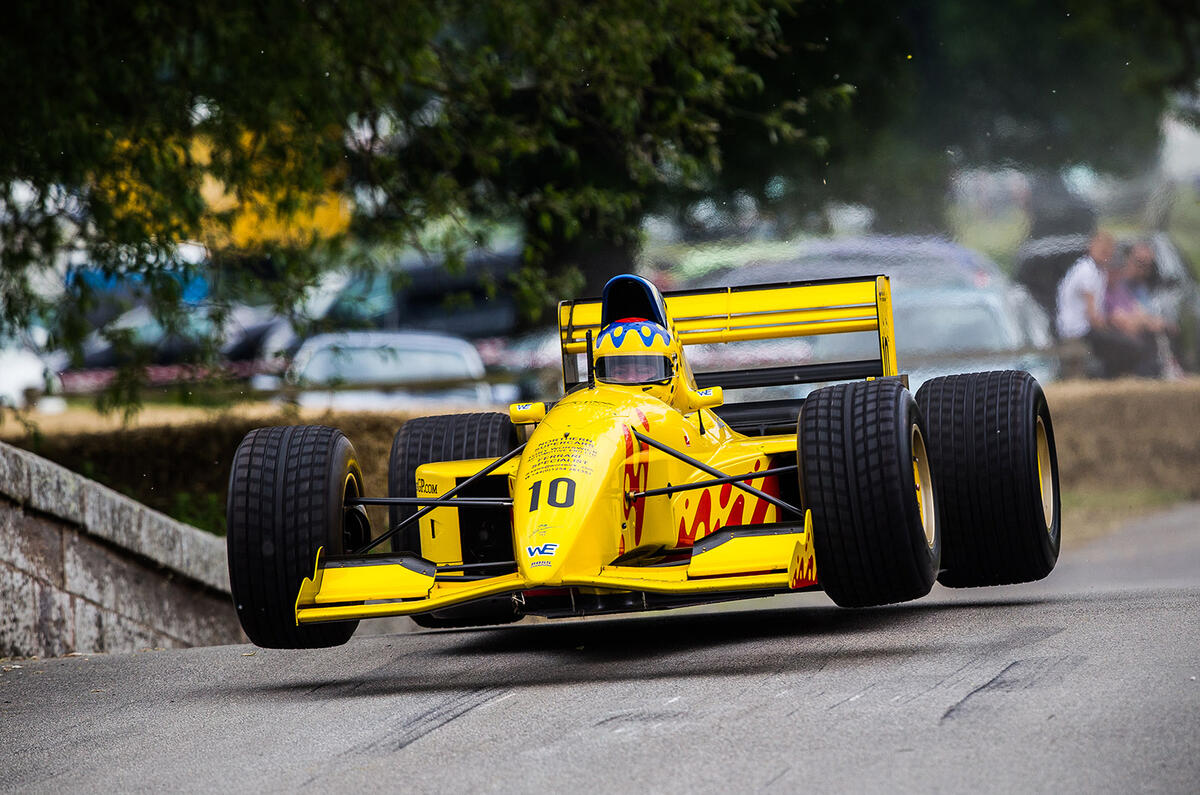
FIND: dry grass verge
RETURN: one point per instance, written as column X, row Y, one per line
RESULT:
column 1128, row 435
column 1125, row 448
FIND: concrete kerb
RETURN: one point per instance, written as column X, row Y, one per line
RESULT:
column 48, row 488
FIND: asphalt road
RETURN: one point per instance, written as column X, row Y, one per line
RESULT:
column 1085, row 682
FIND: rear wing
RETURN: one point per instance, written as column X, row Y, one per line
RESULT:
column 758, row 312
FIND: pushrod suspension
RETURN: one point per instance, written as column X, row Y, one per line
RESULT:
column 703, row 484
column 716, row 473
column 444, row 500
column 474, row 502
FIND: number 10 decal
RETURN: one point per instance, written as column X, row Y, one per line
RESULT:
column 560, row 493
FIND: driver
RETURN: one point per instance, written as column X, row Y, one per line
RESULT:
column 634, row 351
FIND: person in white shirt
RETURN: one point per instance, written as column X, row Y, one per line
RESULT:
column 1081, row 312
column 1081, row 292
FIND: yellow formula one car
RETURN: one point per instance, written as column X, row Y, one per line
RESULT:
column 640, row 490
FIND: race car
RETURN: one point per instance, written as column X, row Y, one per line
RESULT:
column 640, row 489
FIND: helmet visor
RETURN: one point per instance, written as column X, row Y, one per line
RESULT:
column 633, row 369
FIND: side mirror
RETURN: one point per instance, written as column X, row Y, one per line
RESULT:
column 708, row 398
column 526, row 413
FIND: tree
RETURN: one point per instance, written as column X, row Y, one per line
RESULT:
column 558, row 115
column 1028, row 83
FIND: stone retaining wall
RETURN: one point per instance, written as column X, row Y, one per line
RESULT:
column 83, row 568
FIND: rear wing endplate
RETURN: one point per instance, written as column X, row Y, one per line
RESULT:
column 758, row 312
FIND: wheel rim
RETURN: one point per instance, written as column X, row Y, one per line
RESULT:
column 1045, row 474
column 923, row 486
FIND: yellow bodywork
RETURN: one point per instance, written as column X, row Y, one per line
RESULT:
column 573, row 523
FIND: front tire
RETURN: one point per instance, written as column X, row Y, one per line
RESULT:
column 865, row 475
column 993, row 452
column 287, row 493
column 454, row 437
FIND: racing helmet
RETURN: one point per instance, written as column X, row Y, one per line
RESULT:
column 635, row 351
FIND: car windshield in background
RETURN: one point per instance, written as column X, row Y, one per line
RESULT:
column 927, row 328
column 377, row 365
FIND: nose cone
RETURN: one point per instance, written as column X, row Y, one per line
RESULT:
column 567, row 497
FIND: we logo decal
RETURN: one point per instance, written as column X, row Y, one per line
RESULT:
column 542, row 550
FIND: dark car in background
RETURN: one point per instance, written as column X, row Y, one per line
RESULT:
column 415, row 292
column 955, row 310
column 947, row 330
column 419, row 293
column 916, row 261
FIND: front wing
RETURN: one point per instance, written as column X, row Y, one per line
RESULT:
column 761, row 558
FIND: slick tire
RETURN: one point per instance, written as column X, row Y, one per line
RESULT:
column 865, row 475
column 992, row 447
column 287, row 490
column 454, row 437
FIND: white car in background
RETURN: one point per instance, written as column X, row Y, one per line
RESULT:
column 383, row 370
column 26, row 380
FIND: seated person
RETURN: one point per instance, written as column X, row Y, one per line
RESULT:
column 1081, row 313
column 1127, row 300
column 1081, row 291
column 1127, row 304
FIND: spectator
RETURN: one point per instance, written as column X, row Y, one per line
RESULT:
column 1130, row 310
column 1081, row 312
column 1081, row 291
column 1127, row 298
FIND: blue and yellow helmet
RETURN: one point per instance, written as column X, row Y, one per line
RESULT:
column 634, row 351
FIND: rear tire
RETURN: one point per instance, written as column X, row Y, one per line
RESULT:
column 453, row 437
column 864, row 474
column 287, row 488
column 994, row 458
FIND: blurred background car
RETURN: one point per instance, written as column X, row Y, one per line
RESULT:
column 913, row 260
column 943, row 331
column 125, row 330
column 106, row 294
column 955, row 311
column 147, row 336
column 384, row 370
column 532, row 361
column 415, row 292
column 938, row 331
